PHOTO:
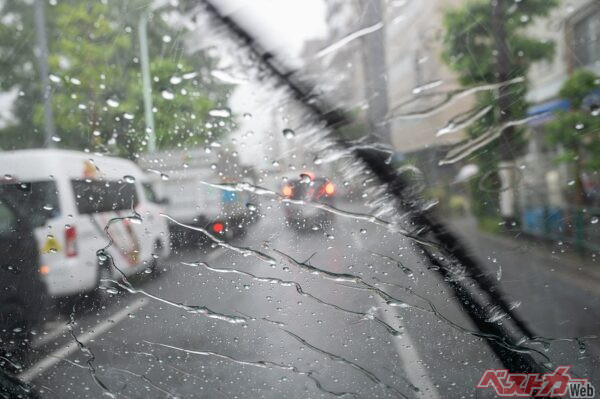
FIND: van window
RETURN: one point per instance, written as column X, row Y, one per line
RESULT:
column 149, row 193
column 8, row 219
column 95, row 196
column 38, row 199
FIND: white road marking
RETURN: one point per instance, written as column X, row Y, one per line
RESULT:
column 413, row 365
column 51, row 335
column 405, row 347
column 72, row 347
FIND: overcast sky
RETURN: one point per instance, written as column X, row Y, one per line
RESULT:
column 282, row 25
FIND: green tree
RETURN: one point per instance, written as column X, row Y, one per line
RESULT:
column 96, row 82
column 485, row 43
column 578, row 130
column 18, row 69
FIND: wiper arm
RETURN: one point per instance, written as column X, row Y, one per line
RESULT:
column 447, row 243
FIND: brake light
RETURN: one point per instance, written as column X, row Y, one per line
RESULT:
column 218, row 227
column 70, row 241
column 287, row 191
column 329, row 188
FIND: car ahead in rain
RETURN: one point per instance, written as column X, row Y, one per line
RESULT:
column 195, row 189
column 23, row 293
column 305, row 199
column 90, row 216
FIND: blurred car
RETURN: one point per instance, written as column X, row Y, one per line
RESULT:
column 23, row 294
column 191, row 185
column 84, row 210
column 301, row 211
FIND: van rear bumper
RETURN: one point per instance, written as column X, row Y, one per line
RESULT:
column 69, row 279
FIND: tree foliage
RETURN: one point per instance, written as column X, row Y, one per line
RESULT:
column 578, row 130
column 96, row 79
column 471, row 51
column 469, row 41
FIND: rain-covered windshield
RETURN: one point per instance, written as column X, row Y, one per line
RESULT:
column 38, row 199
column 300, row 198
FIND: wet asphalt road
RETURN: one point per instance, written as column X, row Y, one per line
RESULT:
column 279, row 330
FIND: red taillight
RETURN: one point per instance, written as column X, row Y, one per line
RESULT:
column 329, row 188
column 218, row 227
column 288, row 191
column 70, row 241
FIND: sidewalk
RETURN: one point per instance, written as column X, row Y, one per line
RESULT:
column 543, row 256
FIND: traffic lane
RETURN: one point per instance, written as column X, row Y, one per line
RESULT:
column 451, row 353
column 260, row 340
column 550, row 297
column 357, row 238
column 455, row 360
column 177, row 289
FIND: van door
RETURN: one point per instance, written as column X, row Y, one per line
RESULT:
column 109, row 212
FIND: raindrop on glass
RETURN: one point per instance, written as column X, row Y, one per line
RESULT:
column 304, row 178
column 167, row 95
column 220, row 113
column 112, row 103
column 289, row 133
column 190, row 75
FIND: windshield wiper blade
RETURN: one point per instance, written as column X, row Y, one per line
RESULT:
column 447, row 243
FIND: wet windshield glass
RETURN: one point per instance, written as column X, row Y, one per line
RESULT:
column 321, row 198
column 103, row 196
column 38, row 199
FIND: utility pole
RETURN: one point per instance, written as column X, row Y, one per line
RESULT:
column 506, row 168
column 374, row 60
column 502, row 72
column 42, row 50
column 146, row 83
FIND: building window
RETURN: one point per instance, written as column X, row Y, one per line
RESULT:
column 586, row 40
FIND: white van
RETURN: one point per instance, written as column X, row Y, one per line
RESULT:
column 76, row 201
column 189, row 200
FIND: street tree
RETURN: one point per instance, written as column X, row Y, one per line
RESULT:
column 486, row 42
column 577, row 130
column 95, row 76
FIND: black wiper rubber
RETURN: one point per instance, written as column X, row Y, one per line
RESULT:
column 449, row 245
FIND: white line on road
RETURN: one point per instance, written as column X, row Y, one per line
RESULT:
column 51, row 335
column 84, row 338
column 405, row 347
column 413, row 365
